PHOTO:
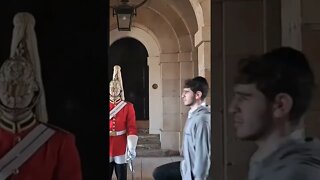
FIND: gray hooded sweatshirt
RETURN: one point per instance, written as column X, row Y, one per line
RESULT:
column 196, row 145
column 293, row 160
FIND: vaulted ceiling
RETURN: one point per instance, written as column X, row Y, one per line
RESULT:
column 173, row 22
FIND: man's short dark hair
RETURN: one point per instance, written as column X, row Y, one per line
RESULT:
column 198, row 84
column 282, row 70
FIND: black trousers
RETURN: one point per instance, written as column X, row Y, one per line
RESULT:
column 120, row 169
column 170, row 171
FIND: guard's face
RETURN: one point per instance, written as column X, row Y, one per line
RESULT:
column 16, row 96
column 252, row 115
column 17, row 84
column 115, row 89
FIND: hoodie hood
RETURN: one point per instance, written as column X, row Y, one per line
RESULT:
column 200, row 110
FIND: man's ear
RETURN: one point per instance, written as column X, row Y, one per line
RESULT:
column 198, row 95
column 282, row 105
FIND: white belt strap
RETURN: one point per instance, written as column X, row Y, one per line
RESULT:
column 24, row 150
column 116, row 109
column 117, row 133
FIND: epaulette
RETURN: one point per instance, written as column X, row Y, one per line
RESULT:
column 128, row 102
column 56, row 128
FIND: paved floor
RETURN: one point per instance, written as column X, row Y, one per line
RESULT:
column 144, row 166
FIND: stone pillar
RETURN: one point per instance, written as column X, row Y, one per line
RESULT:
column 175, row 69
column 186, row 72
column 203, row 43
column 170, row 75
column 155, row 96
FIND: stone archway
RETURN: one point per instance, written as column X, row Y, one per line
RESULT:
column 155, row 94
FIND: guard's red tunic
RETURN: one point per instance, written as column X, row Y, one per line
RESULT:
column 125, row 119
column 56, row 159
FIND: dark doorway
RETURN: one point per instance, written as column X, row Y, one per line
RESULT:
column 131, row 56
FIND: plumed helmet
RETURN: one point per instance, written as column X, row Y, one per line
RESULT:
column 17, row 76
column 117, row 78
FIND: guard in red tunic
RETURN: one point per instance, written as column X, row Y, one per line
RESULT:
column 57, row 157
column 29, row 148
column 122, row 130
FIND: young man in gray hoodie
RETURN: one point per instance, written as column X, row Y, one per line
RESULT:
column 272, row 93
column 196, row 141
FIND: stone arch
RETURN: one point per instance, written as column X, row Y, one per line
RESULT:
column 198, row 12
column 149, row 40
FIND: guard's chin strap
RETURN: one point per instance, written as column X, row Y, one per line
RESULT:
column 22, row 110
column 115, row 99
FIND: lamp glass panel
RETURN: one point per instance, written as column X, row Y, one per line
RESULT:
column 124, row 21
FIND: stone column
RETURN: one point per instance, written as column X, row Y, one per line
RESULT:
column 187, row 67
column 203, row 43
column 155, row 96
column 175, row 69
column 170, row 75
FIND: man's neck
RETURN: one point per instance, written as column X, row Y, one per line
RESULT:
column 271, row 142
column 195, row 106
